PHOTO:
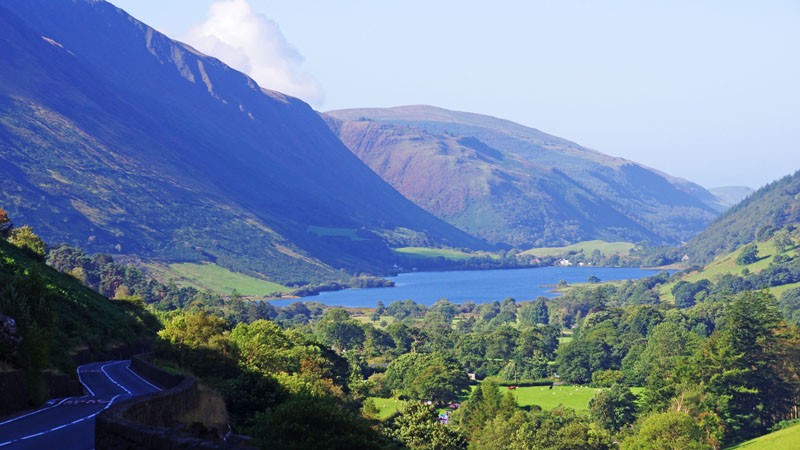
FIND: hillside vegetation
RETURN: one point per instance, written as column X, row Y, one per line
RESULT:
column 782, row 439
column 586, row 247
column 774, row 207
column 131, row 143
column 515, row 185
column 56, row 317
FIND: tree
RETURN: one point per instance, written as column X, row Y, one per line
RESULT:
column 263, row 347
column 740, row 366
column 338, row 330
column 749, row 255
column 199, row 340
column 427, row 376
column 669, row 347
column 418, row 428
column 613, row 408
column 670, row 430
column 305, row 422
column 783, row 240
column 24, row 238
column 686, row 293
column 534, row 313
column 5, row 223
column 484, row 404
column 790, row 304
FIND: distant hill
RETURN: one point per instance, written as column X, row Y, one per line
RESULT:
column 728, row 196
column 764, row 212
column 516, row 185
column 115, row 138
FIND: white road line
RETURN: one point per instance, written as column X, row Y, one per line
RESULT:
column 103, row 368
column 82, row 419
column 35, row 412
column 81, row 380
column 140, row 377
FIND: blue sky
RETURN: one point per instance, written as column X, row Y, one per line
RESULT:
column 704, row 90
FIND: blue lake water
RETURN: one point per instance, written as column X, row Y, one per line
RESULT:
column 479, row 286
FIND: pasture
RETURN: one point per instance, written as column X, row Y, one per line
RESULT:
column 782, row 439
column 217, row 279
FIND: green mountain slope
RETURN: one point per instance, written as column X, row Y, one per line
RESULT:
column 782, row 439
column 512, row 184
column 115, row 138
column 56, row 318
column 773, row 207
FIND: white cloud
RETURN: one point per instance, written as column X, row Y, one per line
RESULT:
column 253, row 44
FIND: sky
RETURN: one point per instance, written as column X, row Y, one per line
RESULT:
column 704, row 90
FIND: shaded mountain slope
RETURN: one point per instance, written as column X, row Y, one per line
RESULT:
column 115, row 138
column 773, row 207
column 512, row 184
column 57, row 321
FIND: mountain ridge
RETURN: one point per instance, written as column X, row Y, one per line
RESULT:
column 144, row 145
column 539, row 188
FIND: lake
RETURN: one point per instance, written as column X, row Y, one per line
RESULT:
column 479, row 286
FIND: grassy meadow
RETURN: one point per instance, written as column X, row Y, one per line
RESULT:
column 787, row 438
column 588, row 247
column 430, row 252
column 220, row 280
column 726, row 264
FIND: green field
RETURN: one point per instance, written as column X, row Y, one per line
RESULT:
column 335, row 232
column 387, row 406
column 217, row 279
column 428, row 252
column 726, row 264
column 788, row 438
column 588, row 247
column 575, row 397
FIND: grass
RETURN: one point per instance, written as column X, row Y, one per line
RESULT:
column 387, row 406
column 349, row 233
column 367, row 318
column 575, row 397
column 786, row 438
column 429, row 252
column 726, row 264
column 217, row 279
column 588, row 247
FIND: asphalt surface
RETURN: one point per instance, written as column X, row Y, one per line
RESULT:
column 69, row 423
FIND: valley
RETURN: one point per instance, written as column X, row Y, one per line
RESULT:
column 399, row 277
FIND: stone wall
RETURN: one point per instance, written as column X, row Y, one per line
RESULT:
column 153, row 374
column 153, row 421
column 15, row 390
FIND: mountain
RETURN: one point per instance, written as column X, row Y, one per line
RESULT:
column 116, row 138
column 774, row 207
column 728, row 196
column 511, row 184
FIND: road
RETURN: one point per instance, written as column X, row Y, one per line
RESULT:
column 69, row 423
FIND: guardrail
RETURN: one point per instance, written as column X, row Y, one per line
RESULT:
column 151, row 421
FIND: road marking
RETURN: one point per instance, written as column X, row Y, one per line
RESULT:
column 103, row 368
column 82, row 419
column 139, row 377
column 35, row 412
column 81, row 380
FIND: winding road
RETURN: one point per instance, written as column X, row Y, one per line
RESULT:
column 69, row 423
